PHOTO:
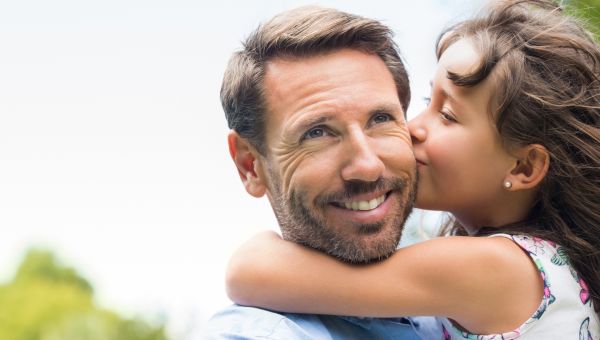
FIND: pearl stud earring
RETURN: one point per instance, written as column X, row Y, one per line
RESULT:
column 507, row 184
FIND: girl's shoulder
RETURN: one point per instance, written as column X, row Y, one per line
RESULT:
column 554, row 267
column 565, row 309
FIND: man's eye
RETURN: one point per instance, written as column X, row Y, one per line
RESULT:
column 315, row 132
column 381, row 118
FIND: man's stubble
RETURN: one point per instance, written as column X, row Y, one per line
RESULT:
column 301, row 224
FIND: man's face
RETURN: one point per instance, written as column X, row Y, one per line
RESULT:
column 339, row 167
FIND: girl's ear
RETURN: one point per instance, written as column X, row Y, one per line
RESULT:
column 247, row 161
column 530, row 168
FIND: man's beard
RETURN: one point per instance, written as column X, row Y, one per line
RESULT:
column 303, row 225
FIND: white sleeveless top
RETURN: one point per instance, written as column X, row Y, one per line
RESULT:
column 566, row 311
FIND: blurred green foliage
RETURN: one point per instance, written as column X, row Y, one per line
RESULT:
column 47, row 301
column 589, row 11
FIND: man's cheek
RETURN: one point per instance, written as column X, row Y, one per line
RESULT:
column 293, row 166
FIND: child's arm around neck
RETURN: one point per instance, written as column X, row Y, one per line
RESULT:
column 487, row 285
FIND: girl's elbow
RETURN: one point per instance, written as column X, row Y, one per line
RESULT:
column 233, row 283
column 250, row 270
column 239, row 283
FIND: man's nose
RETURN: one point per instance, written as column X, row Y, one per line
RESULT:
column 417, row 129
column 363, row 162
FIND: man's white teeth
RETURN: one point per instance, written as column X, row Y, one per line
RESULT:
column 365, row 205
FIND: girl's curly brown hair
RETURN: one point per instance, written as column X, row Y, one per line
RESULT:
column 546, row 68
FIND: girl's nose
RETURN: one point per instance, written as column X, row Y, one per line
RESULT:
column 416, row 127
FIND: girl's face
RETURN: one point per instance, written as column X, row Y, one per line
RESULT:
column 460, row 160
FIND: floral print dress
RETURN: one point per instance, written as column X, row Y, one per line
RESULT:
column 566, row 310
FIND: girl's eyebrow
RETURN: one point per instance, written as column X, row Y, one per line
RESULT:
column 446, row 95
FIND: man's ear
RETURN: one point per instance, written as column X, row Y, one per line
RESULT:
column 530, row 167
column 245, row 157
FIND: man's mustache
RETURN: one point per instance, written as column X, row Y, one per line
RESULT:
column 357, row 187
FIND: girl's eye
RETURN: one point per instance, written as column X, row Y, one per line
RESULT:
column 316, row 132
column 447, row 116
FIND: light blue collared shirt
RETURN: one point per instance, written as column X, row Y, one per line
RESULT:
column 238, row 322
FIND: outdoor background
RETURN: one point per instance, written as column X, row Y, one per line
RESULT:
column 114, row 163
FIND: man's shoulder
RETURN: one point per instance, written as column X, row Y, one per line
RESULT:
column 239, row 322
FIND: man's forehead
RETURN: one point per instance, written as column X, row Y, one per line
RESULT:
column 288, row 62
column 288, row 77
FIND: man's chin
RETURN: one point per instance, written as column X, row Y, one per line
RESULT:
column 363, row 258
column 364, row 248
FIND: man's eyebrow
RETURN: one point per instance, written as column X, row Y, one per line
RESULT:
column 310, row 122
column 388, row 109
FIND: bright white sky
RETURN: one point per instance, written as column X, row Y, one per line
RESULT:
column 113, row 141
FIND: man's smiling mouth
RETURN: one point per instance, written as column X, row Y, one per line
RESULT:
column 362, row 205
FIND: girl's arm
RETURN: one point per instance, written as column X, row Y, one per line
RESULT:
column 471, row 280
